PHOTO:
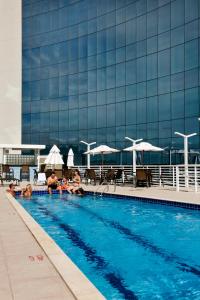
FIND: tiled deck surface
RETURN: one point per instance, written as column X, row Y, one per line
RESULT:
column 163, row 193
column 25, row 271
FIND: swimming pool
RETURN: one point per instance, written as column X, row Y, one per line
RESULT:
column 128, row 249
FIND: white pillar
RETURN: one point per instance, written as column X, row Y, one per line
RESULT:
column 185, row 137
column 177, row 179
column 186, row 161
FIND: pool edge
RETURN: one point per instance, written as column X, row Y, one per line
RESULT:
column 79, row 285
column 147, row 199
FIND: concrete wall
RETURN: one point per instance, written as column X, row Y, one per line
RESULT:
column 10, row 71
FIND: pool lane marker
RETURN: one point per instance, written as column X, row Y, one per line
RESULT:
column 140, row 240
column 114, row 279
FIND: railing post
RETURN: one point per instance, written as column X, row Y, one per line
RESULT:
column 173, row 174
column 177, row 179
column 195, row 180
column 123, row 175
column 160, row 174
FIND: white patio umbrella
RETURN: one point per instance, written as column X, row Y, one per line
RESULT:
column 54, row 157
column 143, row 146
column 70, row 158
column 102, row 149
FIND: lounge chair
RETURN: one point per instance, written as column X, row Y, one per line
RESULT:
column 8, row 175
column 143, row 177
column 24, row 173
column 90, row 176
column 39, row 177
column 119, row 176
column 108, row 177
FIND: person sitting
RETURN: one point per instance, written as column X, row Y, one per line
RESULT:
column 52, row 182
column 65, row 186
column 11, row 189
column 27, row 191
column 76, row 178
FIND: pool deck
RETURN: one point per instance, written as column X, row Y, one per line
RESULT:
column 161, row 193
column 32, row 266
column 30, row 271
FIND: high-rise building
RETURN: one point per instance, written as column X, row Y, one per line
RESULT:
column 102, row 70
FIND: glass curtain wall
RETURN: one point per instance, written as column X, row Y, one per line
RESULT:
column 102, row 70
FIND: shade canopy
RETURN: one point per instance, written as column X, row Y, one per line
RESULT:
column 102, row 149
column 54, row 157
column 143, row 146
column 70, row 158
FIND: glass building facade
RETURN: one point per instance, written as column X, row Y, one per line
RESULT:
column 100, row 70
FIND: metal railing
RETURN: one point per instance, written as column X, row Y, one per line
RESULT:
column 18, row 160
column 162, row 175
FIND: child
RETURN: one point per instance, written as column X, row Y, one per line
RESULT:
column 27, row 192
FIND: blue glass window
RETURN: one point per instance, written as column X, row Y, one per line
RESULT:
column 192, row 102
column 141, row 111
column 131, row 31
column 120, row 113
column 131, row 92
column 164, row 18
column 141, row 28
column 101, row 116
column 35, row 90
column 111, row 115
column 152, row 66
column 164, row 85
column 177, row 13
column 177, row 102
column 110, row 38
column 164, row 63
column 152, row 109
column 152, row 23
column 110, row 76
column 63, row 120
column 101, row 97
column 191, row 10
column 120, row 94
column 191, row 78
column 177, row 36
column 152, row 87
column 177, row 59
column 131, row 72
column 83, row 118
column 131, row 112
column 120, row 35
column 120, row 74
column 101, row 79
column 164, row 41
column 141, row 69
column 164, row 106
column 177, row 82
column 111, row 95
column 191, row 54
column 141, row 90
column 152, row 130
column 164, row 129
column 131, row 51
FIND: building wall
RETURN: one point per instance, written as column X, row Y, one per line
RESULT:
column 102, row 70
column 11, row 70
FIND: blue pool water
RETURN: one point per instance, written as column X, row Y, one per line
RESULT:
column 128, row 249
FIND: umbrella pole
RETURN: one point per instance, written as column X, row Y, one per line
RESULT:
column 143, row 158
column 102, row 179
